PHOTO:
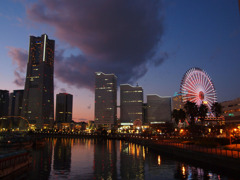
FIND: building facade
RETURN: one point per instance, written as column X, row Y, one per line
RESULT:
column 15, row 103
column 159, row 109
column 177, row 102
column 4, row 102
column 131, row 103
column 105, row 100
column 38, row 98
column 64, row 106
column 231, row 111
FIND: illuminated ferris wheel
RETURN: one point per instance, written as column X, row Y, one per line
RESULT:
column 197, row 87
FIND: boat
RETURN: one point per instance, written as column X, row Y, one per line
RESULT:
column 12, row 141
column 14, row 161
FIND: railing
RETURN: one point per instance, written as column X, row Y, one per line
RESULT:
column 192, row 147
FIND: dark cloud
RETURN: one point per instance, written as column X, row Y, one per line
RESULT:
column 119, row 37
column 19, row 57
column 63, row 90
column 160, row 59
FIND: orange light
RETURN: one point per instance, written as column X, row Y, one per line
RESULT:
column 159, row 160
column 205, row 102
column 183, row 171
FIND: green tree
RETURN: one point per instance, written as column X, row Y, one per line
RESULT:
column 202, row 112
column 216, row 109
column 191, row 110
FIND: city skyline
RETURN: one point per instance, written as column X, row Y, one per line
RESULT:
column 208, row 39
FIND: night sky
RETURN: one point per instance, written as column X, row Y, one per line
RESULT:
column 152, row 43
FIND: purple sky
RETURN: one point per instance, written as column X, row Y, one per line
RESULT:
column 152, row 43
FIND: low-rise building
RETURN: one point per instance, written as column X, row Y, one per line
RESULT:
column 231, row 110
column 159, row 109
column 177, row 102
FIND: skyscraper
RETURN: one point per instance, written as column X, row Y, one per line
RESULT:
column 105, row 100
column 38, row 99
column 4, row 101
column 15, row 103
column 64, row 107
column 131, row 103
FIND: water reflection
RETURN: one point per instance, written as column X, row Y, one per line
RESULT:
column 131, row 161
column 62, row 156
column 66, row 158
column 185, row 171
column 105, row 159
column 159, row 160
column 42, row 161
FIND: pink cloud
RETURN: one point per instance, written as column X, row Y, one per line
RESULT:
column 19, row 79
column 19, row 57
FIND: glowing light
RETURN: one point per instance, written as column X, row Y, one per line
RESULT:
column 183, row 171
column 197, row 87
column 143, row 153
column 205, row 102
column 159, row 160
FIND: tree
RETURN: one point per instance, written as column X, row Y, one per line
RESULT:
column 175, row 115
column 217, row 109
column 191, row 110
column 182, row 115
column 202, row 112
column 179, row 115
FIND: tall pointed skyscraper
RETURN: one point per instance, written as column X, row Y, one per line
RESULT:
column 38, row 99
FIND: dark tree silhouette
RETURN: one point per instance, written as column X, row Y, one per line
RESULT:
column 179, row 115
column 175, row 116
column 217, row 109
column 191, row 110
column 182, row 115
column 202, row 112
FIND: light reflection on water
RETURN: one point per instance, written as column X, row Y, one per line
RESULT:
column 66, row 158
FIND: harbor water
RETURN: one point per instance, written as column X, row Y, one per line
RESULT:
column 69, row 158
